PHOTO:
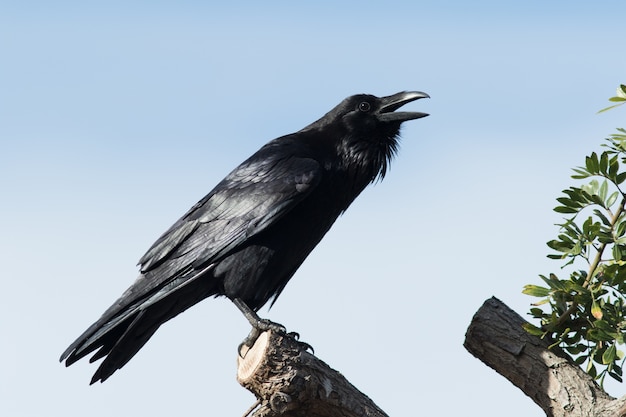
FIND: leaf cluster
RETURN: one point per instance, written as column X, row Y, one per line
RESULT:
column 585, row 312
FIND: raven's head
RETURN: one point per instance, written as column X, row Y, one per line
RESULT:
column 368, row 128
column 377, row 116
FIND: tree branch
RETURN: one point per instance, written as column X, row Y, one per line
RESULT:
column 288, row 381
column 594, row 265
column 548, row 376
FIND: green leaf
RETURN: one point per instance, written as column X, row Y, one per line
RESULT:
column 620, row 178
column 580, row 173
column 571, row 286
column 555, row 283
column 604, row 189
column 596, row 199
column 609, row 108
column 612, row 199
column 575, row 349
column 616, row 377
column 536, row 291
column 587, row 225
column 568, row 202
column 613, row 167
column 565, row 210
column 592, row 163
column 604, row 162
column 621, row 228
column 596, row 335
column 590, row 189
column 567, row 241
column 536, row 312
column 560, row 246
column 575, row 194
column 531, row 329
column 602, row 217
column 609, row 355
column 586, row 193
column 580, row 360
column 591, row 370
column 603, row 325
column 605, row 238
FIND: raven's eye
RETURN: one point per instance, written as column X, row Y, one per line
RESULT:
column 364, row 106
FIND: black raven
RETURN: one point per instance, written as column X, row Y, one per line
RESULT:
column 249, row 235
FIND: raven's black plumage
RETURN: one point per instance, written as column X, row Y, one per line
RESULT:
column 248, row 236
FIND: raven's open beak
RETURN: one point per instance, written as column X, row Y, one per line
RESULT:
column 390, row 104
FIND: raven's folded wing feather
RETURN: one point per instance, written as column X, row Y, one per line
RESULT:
column 247, row 201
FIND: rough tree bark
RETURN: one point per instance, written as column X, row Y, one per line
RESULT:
column 554, row 382
column 288, row 381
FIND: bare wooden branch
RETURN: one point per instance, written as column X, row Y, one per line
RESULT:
column 555, row 383
column 289, row 381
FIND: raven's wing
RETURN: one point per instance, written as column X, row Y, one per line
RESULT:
column 246, row 202
column 250, row 199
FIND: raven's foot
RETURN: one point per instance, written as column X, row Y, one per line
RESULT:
column 266, row 325
column 260, row 325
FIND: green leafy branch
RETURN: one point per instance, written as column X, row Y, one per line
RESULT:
column 586, row 312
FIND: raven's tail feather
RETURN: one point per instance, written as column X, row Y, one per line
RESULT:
column 118, row 338
column 133, row 339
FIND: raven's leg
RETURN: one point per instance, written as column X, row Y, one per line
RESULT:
column 259, row 325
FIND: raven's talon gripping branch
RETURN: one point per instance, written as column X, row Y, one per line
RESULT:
column 304, row 345
column 251, row 339
column 265, row 324
column 294, row 335
column 248, row 342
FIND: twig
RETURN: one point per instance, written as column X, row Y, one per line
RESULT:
column 594, row 265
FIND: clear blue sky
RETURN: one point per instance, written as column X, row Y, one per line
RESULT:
column 116, row 117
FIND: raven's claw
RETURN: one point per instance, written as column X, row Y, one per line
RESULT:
column 304, row 345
